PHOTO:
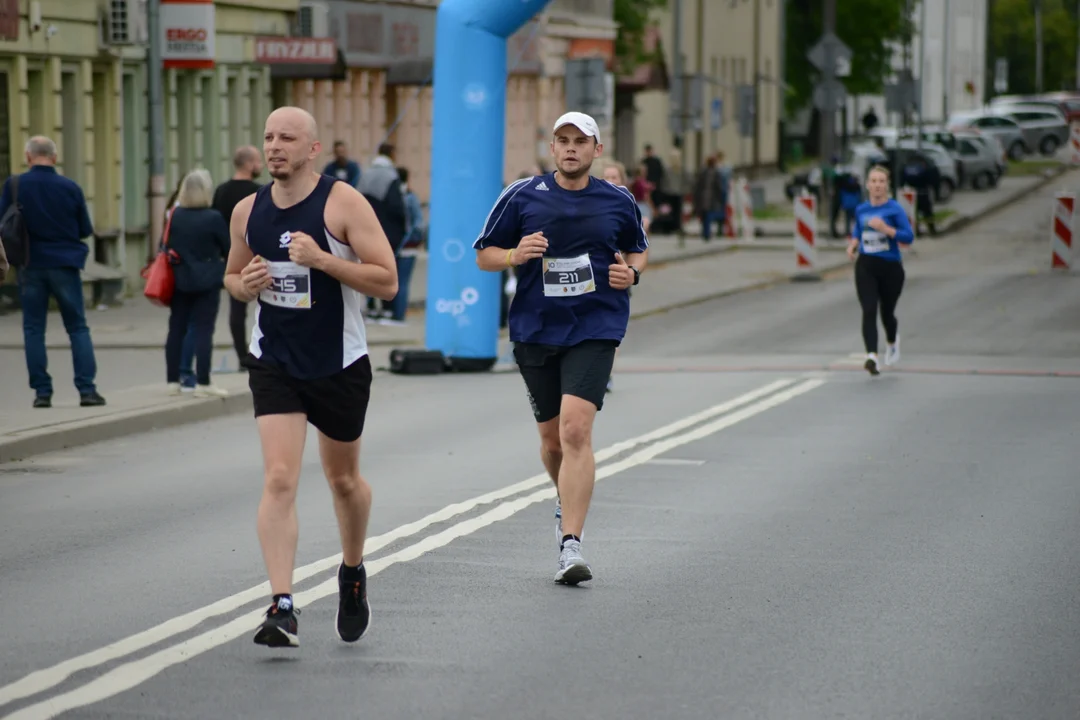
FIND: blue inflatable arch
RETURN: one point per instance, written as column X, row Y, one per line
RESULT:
column 468, row 137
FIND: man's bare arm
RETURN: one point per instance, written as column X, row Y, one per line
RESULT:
column 240, row 254
column 376, row 273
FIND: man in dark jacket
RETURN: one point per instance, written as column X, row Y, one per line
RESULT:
column 57, row 221
column 380, row 184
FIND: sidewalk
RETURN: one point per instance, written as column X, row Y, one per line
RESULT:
column 129, row 340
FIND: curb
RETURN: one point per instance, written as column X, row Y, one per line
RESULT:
column 124, row 423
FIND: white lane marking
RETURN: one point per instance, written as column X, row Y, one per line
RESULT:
column 41, row 680
column 130, row 675
column 675, row 461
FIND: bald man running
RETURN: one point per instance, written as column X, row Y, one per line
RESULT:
column 308, row 246
column 247, row 166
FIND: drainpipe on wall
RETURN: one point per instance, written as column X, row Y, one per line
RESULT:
column 156, row 118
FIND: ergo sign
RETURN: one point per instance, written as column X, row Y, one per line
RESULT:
column 187, row 33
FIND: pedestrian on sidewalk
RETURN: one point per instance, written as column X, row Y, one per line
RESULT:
column 247, row 163
column 381, row 187
column 187, row 349
column 406, row 256
column 199, row 235
column 57, row 223
column 710, row 198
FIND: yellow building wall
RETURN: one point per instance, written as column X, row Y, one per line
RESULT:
column 719, row 43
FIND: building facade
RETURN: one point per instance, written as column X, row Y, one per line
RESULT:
column 379, row 88
column 718, row 42
column 77, row 72
column 955, row 63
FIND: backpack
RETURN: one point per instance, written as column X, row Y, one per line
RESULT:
column 13, row 232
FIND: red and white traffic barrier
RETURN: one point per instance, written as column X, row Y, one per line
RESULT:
column 1061, row 231
column 806, row 230
column 729, row 218
column 746, row 210
column 907, row 201
column 1074, row 143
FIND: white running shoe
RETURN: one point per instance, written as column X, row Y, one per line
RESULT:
column 174, row 388
column 871, row 363
column 558, row 523
column 892, row 352
column 202, row 391
column 572, row 567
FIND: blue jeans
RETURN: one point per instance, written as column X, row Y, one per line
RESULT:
column 708, row 218
column 36, row 285
column 187, row 358
column 191, row 313
column 400, row 304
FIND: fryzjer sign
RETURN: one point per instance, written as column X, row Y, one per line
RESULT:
column 187, row 33
column 316, row 51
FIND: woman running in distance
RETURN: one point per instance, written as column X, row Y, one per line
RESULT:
column 881, row 227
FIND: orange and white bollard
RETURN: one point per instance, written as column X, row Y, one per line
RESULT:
column 1061, row 231
column 746, row 210
column 907, row 201
column 806, row 231
column 1074, row 143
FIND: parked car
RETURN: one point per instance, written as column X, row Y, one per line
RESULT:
column 1067, row 103
column 941, row 158
column 1007, row 131
column 978, row 161
column 1044, row 127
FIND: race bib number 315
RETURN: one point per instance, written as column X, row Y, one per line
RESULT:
column 568, row 277
column 290, row 288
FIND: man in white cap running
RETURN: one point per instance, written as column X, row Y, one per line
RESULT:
column 579, row 246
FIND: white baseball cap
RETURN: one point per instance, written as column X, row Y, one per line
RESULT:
column 581, row 121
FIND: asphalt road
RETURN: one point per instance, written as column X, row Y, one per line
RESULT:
column 803, row 542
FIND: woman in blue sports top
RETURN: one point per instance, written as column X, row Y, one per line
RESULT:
column 881, row 227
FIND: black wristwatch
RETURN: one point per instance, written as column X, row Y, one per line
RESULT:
column 637, row 274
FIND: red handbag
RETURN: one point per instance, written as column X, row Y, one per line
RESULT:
column 159, row 276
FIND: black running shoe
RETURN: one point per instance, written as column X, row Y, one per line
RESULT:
column 279, row 629
column 354, row 613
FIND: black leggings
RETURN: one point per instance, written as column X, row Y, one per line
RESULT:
column 878, row 281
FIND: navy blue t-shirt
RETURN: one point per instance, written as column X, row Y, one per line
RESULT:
column 564, row 298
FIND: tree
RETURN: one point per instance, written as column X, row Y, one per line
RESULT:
column 1012, row 36
column 633, row 19
column 871, row 28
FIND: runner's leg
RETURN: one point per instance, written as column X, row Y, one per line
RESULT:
column 282, row 439
column 866, row 286
column 578, row 470
column 539, row 367
column 892, row 284
column 352, row 495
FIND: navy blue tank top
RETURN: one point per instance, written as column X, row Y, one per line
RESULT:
column 307, row 323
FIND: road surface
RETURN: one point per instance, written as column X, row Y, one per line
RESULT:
column 775, row 534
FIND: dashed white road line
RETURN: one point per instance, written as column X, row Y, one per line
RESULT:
column 131, row 674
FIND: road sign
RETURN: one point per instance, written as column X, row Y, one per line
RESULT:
column 830, row 95
column 830, row 46
column 1001, row 75
column 716, row 114
column 902, row 96
column 746, row 111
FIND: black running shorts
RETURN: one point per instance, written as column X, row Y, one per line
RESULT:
column 336, row 405
column 551, row 371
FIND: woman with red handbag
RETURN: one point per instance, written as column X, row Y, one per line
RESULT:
column 199, row 239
